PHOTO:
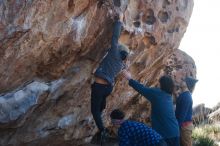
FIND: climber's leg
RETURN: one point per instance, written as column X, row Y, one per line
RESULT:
column 98, row 100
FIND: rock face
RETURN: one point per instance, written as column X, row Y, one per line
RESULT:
column 50, row 48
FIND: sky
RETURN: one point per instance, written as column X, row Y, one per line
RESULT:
column 202, row 42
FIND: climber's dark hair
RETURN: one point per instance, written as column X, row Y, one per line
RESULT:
column 166, row 84
column 124, row 51
column 117, row 114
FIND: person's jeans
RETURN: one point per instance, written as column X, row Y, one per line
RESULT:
column 174, row 141
column 98, row 101
column 186, row 135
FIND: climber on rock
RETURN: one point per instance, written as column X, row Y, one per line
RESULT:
column 131, row 133
column 105, row 75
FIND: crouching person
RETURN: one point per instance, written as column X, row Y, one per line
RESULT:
column 131, row 133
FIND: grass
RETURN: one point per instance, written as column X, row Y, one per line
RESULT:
column 204, row 141
column 206, row 135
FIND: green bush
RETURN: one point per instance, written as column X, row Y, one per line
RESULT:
column 206, row 135
column 203, row 141
column 211, row 129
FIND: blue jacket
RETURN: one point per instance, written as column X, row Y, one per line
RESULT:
column 133, row 133
column 162, row 114
column 184, row 105
column 112, row 63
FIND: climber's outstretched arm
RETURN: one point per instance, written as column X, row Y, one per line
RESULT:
column 116, row 32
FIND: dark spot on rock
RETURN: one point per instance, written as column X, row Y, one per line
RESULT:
column 82, row 122
column 100, row 3
column 177, row 8
column 165, row 3
column 117, row 3
column 137, row 17
column 148, row 1
column 148, row 17
column 137, row 23
column 170, row 30
column 177, row 29
column 179, row 67
column 151, row 20
column 174, row 28
column 183, row 4
column 152, row 40
column 168, row 70
column 163, row 16
column 71, row 5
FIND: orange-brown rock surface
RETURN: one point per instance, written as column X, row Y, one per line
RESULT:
column 50, row 48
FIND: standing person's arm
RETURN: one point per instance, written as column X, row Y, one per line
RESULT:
column 145, row 91
column 116, row 33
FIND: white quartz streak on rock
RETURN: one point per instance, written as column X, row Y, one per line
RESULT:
column 15, row 104
column 79, row 25
column 67, row 121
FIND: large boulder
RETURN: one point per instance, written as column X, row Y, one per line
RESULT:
column 50, row 48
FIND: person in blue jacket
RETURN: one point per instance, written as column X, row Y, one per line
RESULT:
column 162, row 114
column 132, row 133
column 105, row 75
column 184, row 104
